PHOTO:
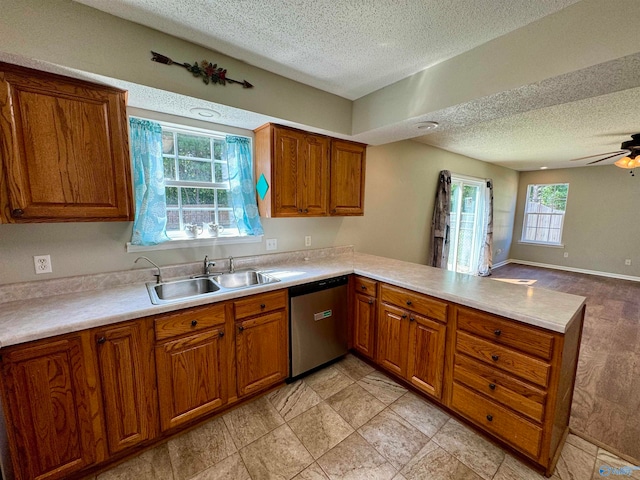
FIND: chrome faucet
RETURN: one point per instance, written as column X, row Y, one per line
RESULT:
column 232, row 268
column 208, row 265
column 158, row 275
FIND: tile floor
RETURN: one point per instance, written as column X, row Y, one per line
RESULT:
column 347, row 421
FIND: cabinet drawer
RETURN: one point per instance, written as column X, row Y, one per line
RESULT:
column 504, row 358
column 516, row 431
column 366, row 286
column 506, row 332
column 257, row 304
column 190, row 321
column 415, row 302
column 501, row 387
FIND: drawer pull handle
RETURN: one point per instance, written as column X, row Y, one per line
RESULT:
column 194, row 323
column 221, row 334
column 370, row 301
column 363, row 287
column 492, row 386
column 412, row 319
column 490, row 418
column 404, row 316
column 409, row 302
column 495, row 358
column 240, row 328
column 299, row 210
column 263, row 306
column 497, row 332
column 101, row 340
column 18, row 212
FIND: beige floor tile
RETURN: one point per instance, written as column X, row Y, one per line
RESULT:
column 200, row 448
column 320, row 429
column 475, row 452
column 574, row 464
column 153, row 464
column 355, row 459
column 610, row 465
column 582, row 444
column 252, row 421
column 353, row 367
column 231, row 468
column 312, row 472
column 393, row 437
column 355, row 405
column 277, row 455
column 420, row 413
column 328, row 381
column 399, row 477
column 512, row 469
column 294, row 399
column 433, row 463
column 382, row 387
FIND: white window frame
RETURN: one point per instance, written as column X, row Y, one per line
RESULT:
column 527, row 212
column 178, row 238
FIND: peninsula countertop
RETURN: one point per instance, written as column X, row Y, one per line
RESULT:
column 37, row 318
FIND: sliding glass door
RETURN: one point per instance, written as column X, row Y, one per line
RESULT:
column 467, row 220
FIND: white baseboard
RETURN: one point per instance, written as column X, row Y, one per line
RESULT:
column 568, row 269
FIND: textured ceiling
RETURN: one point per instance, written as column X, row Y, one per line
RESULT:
column 349, row 48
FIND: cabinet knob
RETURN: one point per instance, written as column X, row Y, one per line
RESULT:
column 404, row 316
column 263, row 306
column 306, row 210
column 490, row 418
column 240, row 328
column 18, row 212
column 221, row 334
column 492, row 386
column 497, row 333
column 409, row 302
column 333, row 211
column 363, row 287
column 412, row 319
column 370, row 301
column 101, row 340
column 194, row 323
column 495, row 358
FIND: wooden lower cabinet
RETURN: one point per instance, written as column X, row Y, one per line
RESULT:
column 364, row 317
column 127, row 382
column 393, row 338
column 48, row 409
column 425, row 363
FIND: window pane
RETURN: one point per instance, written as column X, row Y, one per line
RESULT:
column 226, row 218
column 198, row 217
column 544, row 213
column 173, row 219
column 193, row 146
column 222, row 172
column 167, row 143
column 172, row 196
column 224, row 199
column 169, row 168
column 204, row 197
column 194, row 170
column 218, row 149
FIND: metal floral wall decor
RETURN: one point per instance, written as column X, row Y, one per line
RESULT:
column 210, row 72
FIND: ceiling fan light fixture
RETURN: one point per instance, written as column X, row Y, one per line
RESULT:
column 629, row 161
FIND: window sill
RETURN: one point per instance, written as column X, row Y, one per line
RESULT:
column 540, row 244
column 194, row 242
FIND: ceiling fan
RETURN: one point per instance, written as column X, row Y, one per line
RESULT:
column 630, row 149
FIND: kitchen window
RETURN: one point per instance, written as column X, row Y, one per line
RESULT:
column 544, row 212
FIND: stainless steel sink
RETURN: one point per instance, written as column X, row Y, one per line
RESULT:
column 177, row 290
column 243, row 279
column 181, row 289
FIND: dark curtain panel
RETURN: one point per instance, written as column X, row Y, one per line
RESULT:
column 439, row 247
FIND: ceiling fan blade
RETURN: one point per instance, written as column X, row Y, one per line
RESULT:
column 598, row 155
column 623, row 152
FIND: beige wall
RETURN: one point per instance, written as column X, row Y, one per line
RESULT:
column 401, row 181
column 602, row 224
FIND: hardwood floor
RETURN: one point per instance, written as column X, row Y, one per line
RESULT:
column 606, row 400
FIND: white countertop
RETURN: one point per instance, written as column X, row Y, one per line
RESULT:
column 37, row 318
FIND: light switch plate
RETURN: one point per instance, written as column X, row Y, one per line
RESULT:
column 272, row 243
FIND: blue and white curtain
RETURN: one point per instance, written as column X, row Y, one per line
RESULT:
column 149, row 226
column 243, row 192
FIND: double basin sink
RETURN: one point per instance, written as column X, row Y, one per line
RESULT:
column 206, row 285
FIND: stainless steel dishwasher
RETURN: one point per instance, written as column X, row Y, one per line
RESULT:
column 318, row 324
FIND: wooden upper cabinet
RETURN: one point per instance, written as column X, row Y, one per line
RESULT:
column 347, row 178
column 64, row 148
column 48, row 409
column 308, row 174
column 128, row 383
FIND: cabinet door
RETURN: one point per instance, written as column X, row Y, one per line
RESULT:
column 393, row 331
column 286, row 195
column 347, row 178
column 364, row 324
column 128, row 386
column 425, row 368
column 49, row 419
column 191, row 377
column 261, row 352
column 314, row 180
column 65, row 148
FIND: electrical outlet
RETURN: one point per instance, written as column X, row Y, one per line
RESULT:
column 627, row 262
column 42, row 264
column 566, row 254
column 272, row 243
column 307, row 241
